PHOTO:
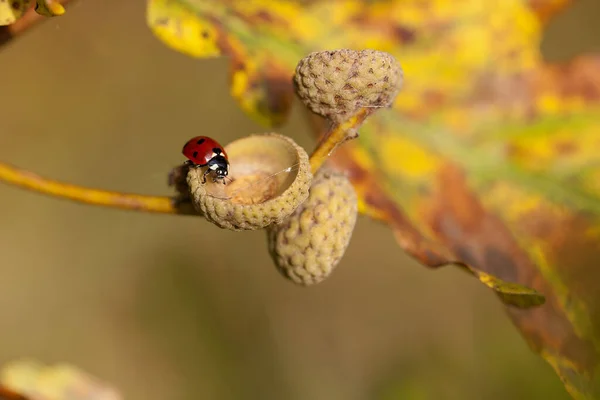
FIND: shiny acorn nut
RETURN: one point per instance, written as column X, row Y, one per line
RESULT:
column 307, row 246
column 337, row 83
column 260, row 193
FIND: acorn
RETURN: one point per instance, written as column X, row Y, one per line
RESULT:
column 310, row 243
column 337, row 83
column 270, row 177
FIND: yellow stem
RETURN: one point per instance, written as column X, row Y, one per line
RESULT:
column 31, row 181
column 338, row 134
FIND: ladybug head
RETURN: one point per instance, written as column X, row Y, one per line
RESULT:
column 222, row 171
column 220, row 166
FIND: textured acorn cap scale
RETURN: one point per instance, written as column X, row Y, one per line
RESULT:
column 337, row 83
column 271, row 178
column 310, row 243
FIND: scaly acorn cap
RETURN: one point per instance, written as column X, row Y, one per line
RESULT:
column 263, row 191
column 309, row 244
column 337, row 83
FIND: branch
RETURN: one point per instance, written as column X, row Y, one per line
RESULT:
column 28, row 180
column 27, row 21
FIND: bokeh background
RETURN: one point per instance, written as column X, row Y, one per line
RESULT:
column 171, row 307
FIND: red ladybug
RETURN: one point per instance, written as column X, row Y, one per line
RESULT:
column 203, row 151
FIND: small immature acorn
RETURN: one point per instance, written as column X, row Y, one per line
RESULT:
column 259, row 194
column 337, row 83
column 309, row 244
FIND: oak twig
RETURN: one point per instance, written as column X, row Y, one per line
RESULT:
column 28, row 180
column 338, row 134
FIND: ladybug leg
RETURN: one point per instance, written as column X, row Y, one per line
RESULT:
column 204, row 175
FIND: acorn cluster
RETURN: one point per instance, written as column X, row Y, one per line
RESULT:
column 308, row 219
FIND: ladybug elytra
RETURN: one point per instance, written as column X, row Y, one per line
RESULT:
column 203, row 151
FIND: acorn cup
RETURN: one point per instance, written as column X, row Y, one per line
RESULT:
column 310, row 243
column 270, row 175
column 337, row 83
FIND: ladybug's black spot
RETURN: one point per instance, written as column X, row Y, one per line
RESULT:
column 217, row 150
column 200, row 141
column 195, row 154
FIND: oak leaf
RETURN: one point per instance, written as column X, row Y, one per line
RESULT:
column 488, row 158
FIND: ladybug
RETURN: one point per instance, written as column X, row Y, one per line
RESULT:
column 203, row 151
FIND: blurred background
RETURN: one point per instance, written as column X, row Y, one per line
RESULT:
column 171, row 307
